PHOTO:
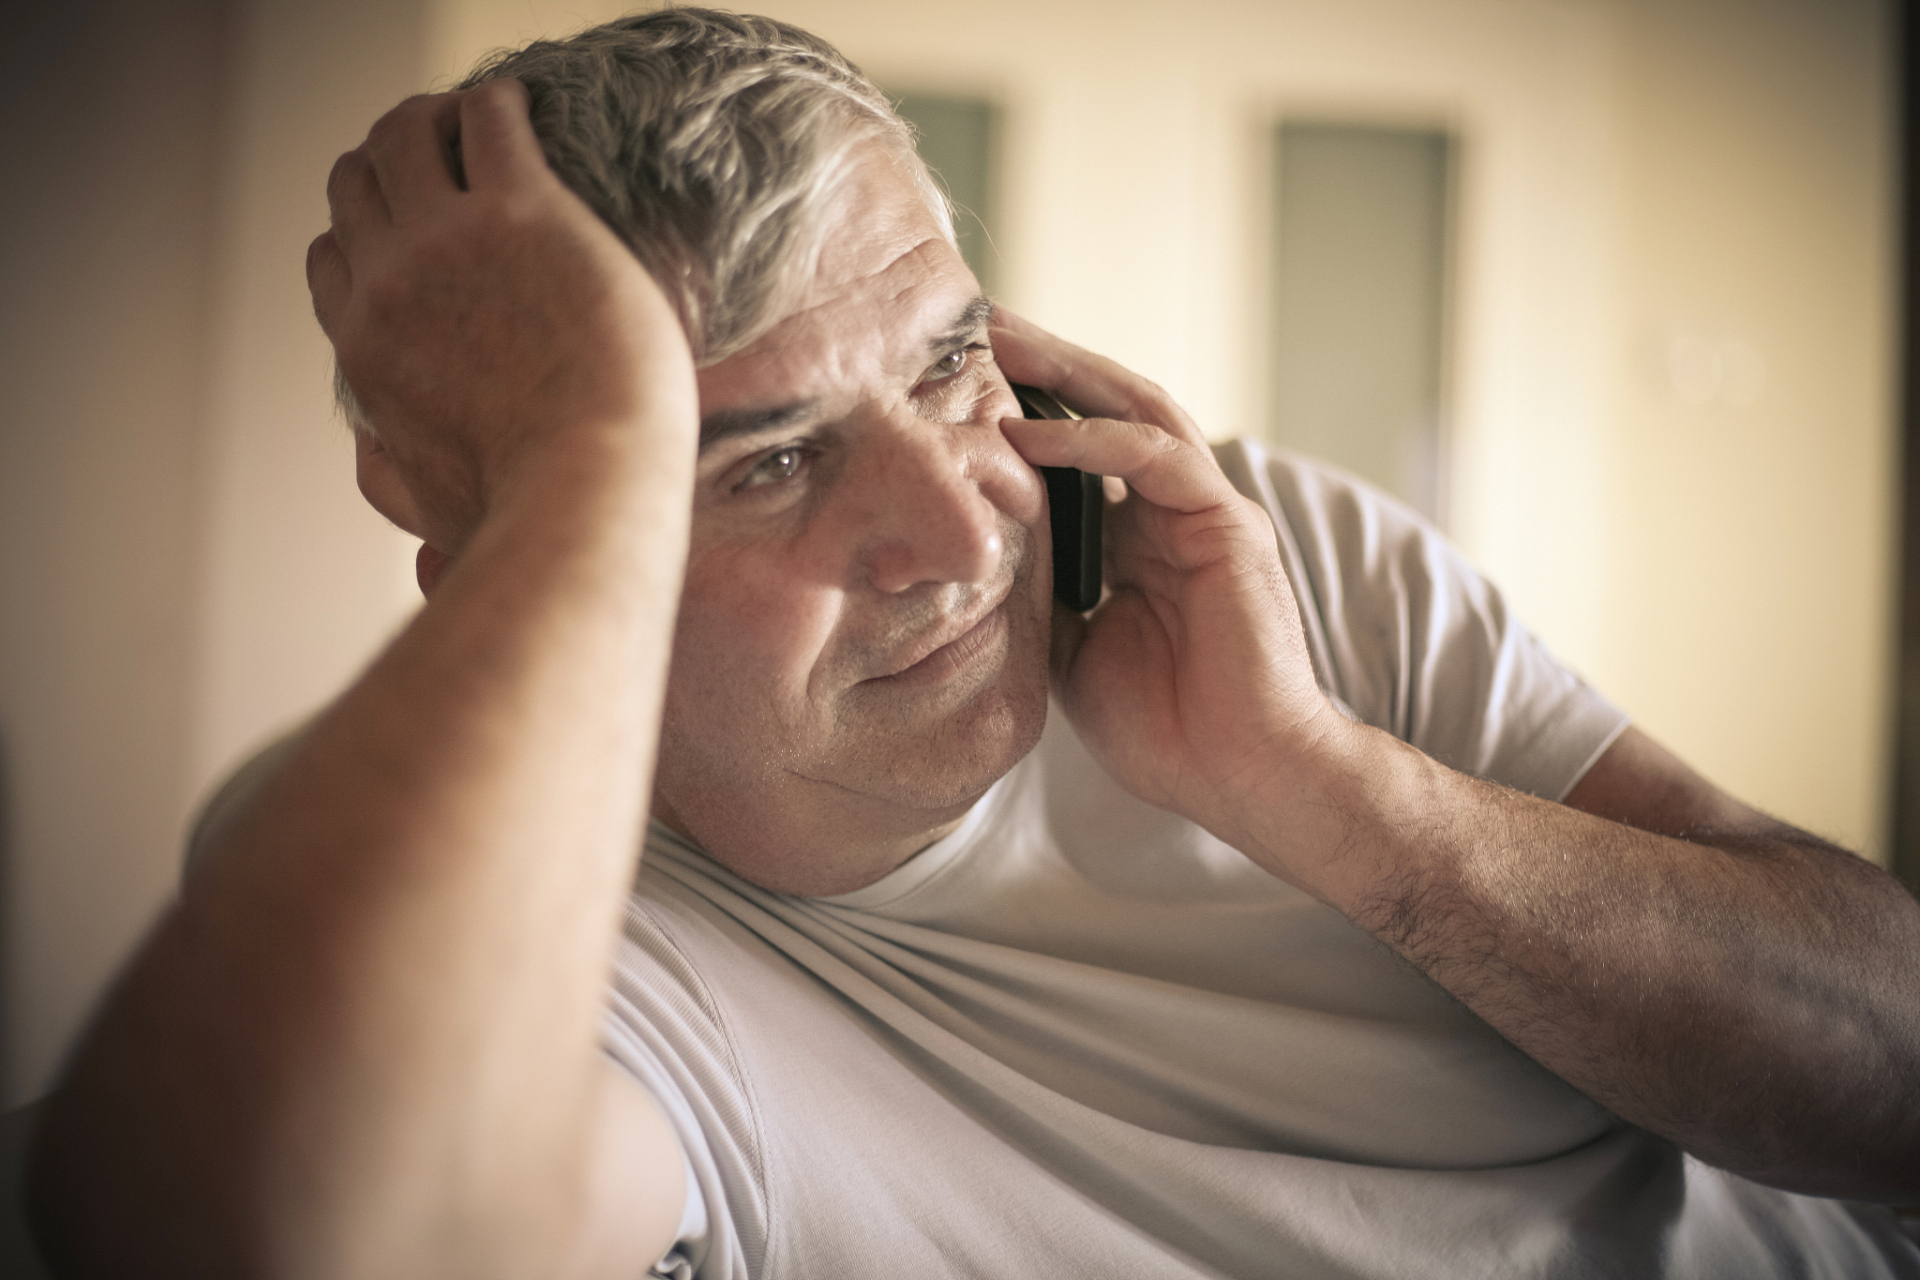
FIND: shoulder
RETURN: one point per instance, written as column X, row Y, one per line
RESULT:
column 236, row 794
column 1355, row 544
column 1381, row 590
column 1412, row 638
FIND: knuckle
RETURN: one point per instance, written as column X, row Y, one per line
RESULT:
column 396, row 118
column 388, row 297
column 499, row 88
column 509, row 213
column 386, row 126
column 1163, row 443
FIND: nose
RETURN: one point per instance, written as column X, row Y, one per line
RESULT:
column 924, row 518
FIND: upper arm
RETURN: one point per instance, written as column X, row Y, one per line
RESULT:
column 638, row 1190
column 237, row 794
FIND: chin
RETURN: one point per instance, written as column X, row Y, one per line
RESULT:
column 952, row 764
column 829, row 810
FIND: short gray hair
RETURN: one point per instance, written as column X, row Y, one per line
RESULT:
column 713, row 144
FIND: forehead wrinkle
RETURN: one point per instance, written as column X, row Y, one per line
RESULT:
column 827, row 342
column 860, row 290
column 839, row 292
column 896, row 311
column 908, row 302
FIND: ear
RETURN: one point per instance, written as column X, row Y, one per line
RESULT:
column 428, row 565
column 380, row 483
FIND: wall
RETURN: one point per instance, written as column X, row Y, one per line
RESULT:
column 184, row 563
column 302, row 578
column 184, row 566
column 1750, row 501
column 106, row 253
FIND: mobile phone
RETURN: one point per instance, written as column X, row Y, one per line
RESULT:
column 1075, row 504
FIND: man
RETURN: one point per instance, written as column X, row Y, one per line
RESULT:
column 1224, row 971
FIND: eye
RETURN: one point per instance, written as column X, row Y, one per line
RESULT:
column 947, row 365
column 781, row 464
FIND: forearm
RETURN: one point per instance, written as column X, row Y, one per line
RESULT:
column 365, row 1038
column 1750, row 996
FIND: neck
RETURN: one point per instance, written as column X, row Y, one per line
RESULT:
column 814, row 859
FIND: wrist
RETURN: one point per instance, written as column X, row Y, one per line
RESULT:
column 1333, row 819
column 610, row 469
column 644, row 442
column 608, row 488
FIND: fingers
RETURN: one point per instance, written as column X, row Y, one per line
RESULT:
column 1160, row 467
column 410, row 149
column 1086, row 383
column 1133, row 429
column 407, row 165
column 497, row 141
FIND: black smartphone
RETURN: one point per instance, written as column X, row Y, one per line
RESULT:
column 1075, row 502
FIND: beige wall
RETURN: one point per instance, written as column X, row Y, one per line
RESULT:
column 302, row 578
column 1750, row 506
column 105, row 253
column 184, row 564
column 1696, row 185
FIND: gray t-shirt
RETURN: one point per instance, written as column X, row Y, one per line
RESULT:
column 1081, row 1037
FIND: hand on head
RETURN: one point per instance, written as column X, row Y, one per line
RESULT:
column 480, row 324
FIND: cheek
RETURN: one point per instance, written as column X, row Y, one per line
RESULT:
column 748, row 635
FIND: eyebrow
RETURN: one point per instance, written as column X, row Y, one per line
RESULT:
column 724, row 424
column 971, row 319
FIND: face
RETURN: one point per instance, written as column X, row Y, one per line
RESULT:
column 862, row 640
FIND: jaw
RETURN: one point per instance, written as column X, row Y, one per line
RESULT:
column 840, row 822
column 809, row 793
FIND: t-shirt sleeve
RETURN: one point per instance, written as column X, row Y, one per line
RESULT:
column 662, row 1027
column 1413, row 640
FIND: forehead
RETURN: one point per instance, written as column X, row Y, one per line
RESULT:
column 888, row 284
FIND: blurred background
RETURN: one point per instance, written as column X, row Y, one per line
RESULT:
column 1607, row 287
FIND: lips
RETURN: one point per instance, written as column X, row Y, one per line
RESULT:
column 951, row 647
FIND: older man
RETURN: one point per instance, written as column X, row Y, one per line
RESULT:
column 1274, row 955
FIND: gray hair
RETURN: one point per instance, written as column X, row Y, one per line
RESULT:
column 713, row 145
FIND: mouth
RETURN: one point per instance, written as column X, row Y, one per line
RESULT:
column 949, row 650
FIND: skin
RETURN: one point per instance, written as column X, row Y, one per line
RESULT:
column 862, row 641
column 363, row 1042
